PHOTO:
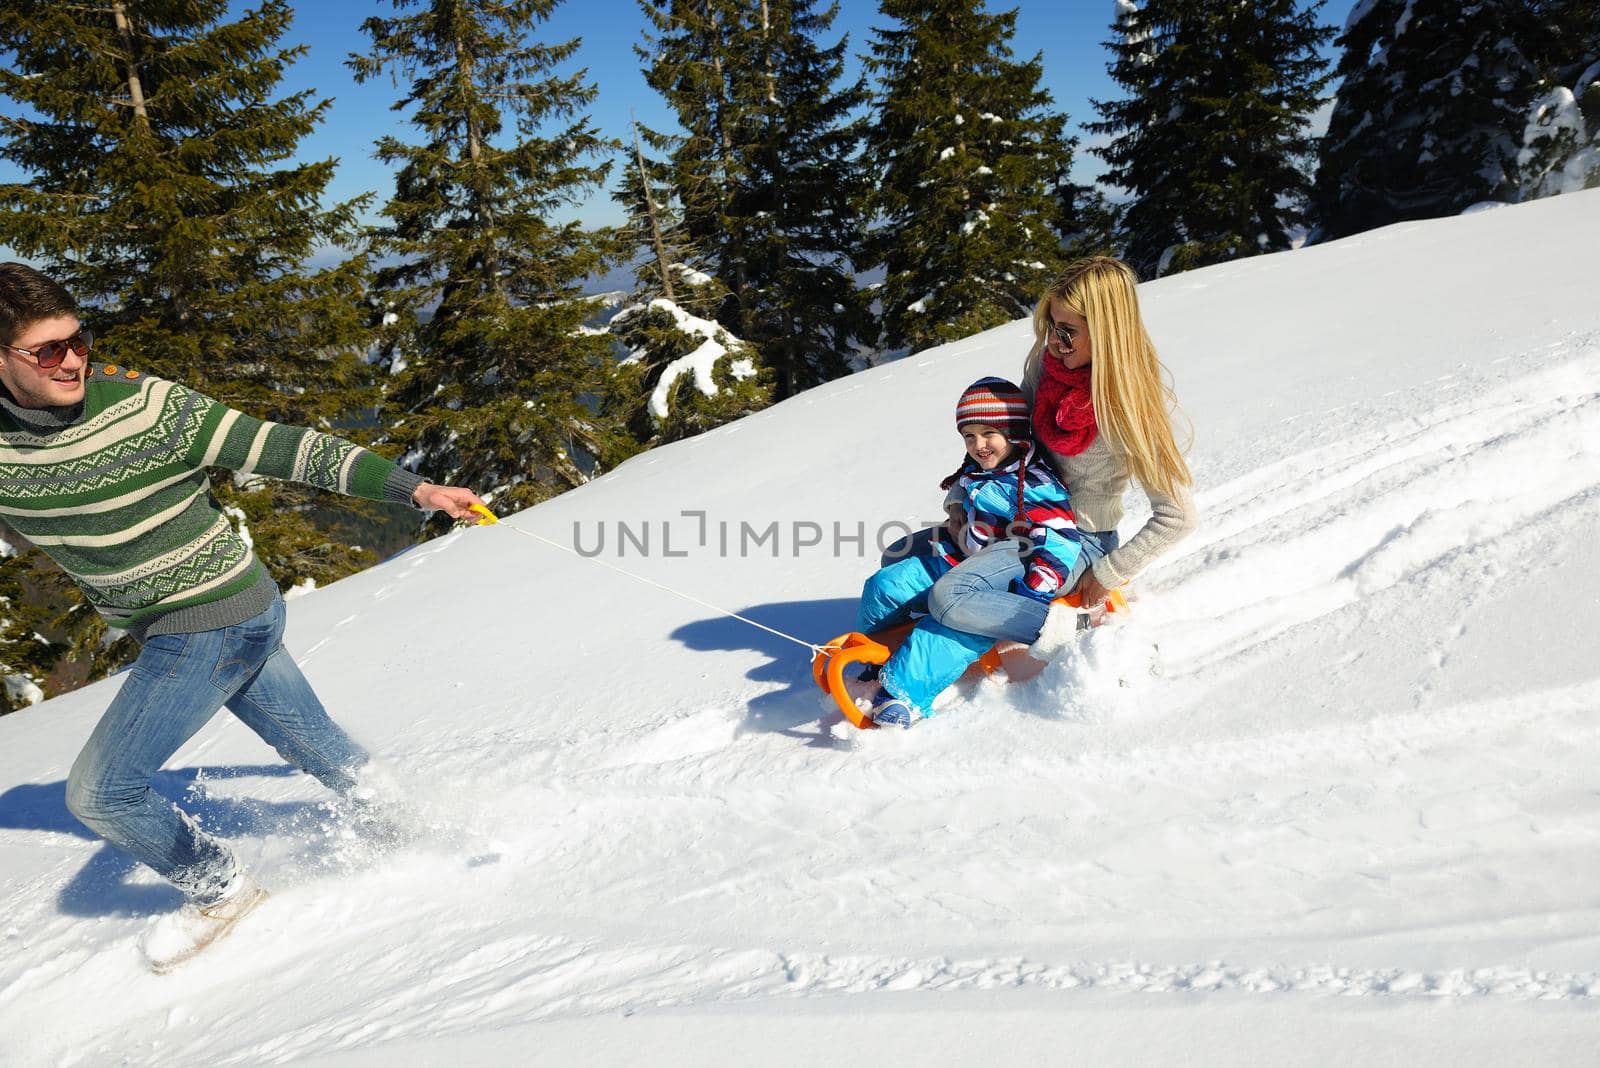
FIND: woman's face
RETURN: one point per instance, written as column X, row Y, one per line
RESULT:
column 1065, row 321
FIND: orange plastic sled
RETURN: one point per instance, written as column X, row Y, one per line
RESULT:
column 829, row 665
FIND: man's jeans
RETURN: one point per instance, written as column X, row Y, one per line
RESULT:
column 976, row 596
column 177, row 684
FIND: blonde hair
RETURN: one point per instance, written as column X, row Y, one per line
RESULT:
column 1133, row 398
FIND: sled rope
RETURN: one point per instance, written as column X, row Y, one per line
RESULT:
column 491, row 519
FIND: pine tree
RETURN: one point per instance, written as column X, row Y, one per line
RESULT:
column 967, row 157
column 495, row 377
column 1432, row 107
column 1561, row 142
column 664, row 330
column 1088, row 223
column 160, row 195
column 766, row 173
column 1212, row 140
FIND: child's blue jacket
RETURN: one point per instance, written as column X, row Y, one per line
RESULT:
column 989, row 499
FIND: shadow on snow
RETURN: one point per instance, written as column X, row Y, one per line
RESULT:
column 796, row 702
column 102, row 886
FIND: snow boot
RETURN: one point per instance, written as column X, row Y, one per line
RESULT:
column 180, row 936
column 889, row 711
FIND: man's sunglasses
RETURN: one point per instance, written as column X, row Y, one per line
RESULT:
column 51, row 353
column 1064, row 333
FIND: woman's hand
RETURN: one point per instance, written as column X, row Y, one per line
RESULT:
column 1089, row 590
column 454, row 501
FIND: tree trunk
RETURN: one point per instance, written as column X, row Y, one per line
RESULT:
column 481, row 209
column 655, row 219
column 119, row 10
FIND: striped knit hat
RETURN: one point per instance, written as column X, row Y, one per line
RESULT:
column 998, row 403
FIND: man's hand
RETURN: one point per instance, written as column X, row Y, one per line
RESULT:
column 1090, row 591
column 454, row 501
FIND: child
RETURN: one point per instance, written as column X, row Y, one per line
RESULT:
column 1014, row 517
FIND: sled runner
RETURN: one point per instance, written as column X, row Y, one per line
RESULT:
column 829, row 666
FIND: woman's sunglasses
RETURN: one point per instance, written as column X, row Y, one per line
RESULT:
column 1064, row 333
column 51, row 353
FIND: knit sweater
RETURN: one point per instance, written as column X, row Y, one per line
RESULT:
column 1097, row 478
column 114, row 490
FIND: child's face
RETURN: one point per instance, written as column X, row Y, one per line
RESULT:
column 986, row 444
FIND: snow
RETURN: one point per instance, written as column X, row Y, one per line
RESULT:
column 946, row 153
column 1404, row 20
column 300, row 589
column 20, row 688
column 1361, row 10
column 1329, row 790
column 700, row 362
column 1551, row 116
column 690, row 275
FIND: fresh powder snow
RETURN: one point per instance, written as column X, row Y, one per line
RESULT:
column 1327, row 796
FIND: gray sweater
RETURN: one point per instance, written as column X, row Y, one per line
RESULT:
column 1096, row 479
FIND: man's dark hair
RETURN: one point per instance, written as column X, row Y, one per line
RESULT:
column 26, row 296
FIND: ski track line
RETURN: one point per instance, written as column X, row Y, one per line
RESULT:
column 1337, row 528
column 525, row 979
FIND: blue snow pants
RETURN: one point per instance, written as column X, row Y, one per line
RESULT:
column 933, row 655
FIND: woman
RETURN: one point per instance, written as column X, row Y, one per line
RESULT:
column 1102, row 415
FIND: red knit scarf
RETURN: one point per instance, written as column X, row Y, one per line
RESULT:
column 1063, row 408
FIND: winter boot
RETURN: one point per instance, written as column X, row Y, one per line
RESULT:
column 889, row 711
column 180, row 936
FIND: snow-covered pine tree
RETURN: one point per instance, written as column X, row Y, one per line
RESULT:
column 26, row 657
column 765, row 172
column 1561, row 142
column 494, row 374
column 1211, row 141
column 1432, row 105
column 965, row 157
column 683, row 373
column 158, row 192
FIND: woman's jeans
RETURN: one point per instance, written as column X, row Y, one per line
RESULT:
column 177, row 684
column 975, row 596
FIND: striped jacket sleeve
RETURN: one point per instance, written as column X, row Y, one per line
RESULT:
column 1053, row 540
column 243, row 443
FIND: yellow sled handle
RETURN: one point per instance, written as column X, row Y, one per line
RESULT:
column 488, row 516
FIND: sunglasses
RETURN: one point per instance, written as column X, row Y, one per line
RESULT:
column 1064, row 333
column 51, row 353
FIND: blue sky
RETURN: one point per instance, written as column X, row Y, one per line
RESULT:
column 1070, row 34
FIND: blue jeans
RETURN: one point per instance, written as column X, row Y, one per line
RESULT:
column 178, row 683
column 976, row 596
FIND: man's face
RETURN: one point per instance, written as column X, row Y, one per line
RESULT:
column 32, row 386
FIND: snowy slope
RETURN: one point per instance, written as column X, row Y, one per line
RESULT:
column 1331, row 793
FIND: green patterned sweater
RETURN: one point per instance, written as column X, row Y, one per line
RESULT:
column 114, row 490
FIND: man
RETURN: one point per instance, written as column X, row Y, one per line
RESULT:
column 103, row 469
